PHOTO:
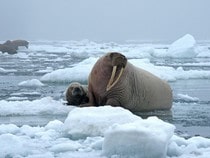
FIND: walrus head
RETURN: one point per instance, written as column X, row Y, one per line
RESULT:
column 76, row 94
column 118, row 61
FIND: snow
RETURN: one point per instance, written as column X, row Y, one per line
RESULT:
column 183, row 47
column 17, row 145
column 109, row 132
column 9, row 128
column 94, row 121
column 186, row 148
column 65, row 147
column 142, row 139
column 203, row 52
column 43, row 106
column 78, row 72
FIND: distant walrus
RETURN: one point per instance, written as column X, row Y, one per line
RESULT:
column 5, row 48
column 76, row 94
column 11, row 47
column 18, row 43
column 116, row 82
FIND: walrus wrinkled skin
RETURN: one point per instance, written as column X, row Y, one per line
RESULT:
column 11, row 47
column 76, row 94
column 130, row 87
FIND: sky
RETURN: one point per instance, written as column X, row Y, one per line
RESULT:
column 104, row 20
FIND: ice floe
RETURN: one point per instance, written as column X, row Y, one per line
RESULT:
column 100, row 132
column 43, row 106
column 81, row 71
column 183, row 47
column 31, row 83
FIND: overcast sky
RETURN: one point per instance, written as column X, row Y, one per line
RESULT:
column 110, row 20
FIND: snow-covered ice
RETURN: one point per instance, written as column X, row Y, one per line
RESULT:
column 94, row 121
column 80, row 72
column 186, row 97
column 126, row 135
column 183, row 47
column 43, row 106
column 29, row 78
column 142, row 139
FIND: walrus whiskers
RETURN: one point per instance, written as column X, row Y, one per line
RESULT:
column 110, row 84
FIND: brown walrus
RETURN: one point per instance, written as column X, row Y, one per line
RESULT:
column 116, row 82
column 76, row 94
column 5, row 48
column 18, row 43
column 11, row 47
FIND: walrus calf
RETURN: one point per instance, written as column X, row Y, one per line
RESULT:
column 76, row 94
column 116, row 82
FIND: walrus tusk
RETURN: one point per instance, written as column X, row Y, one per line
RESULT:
column 110, row 84
column 112, row 77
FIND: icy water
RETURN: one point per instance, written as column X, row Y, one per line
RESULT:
column 190, row 116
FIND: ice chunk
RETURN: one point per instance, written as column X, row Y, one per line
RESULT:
column 31, row 131
column 187, row 148
column 183, row 47
column 9, row 128
column 94, row 142
column 55, row 125
column 67, row 146
column 94, row 121
column 203, row 52
column 141, row 139
column 11, row 145
column 31, row 83
column 187, row 98
column 43, row 106
column 79, row 72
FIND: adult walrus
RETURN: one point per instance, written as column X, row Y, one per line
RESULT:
column 76, row 94
column 5, row 48
column 11, row 47
column 116, row 82
column 18, row 43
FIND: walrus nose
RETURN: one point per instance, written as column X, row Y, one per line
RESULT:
column 76, row 91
